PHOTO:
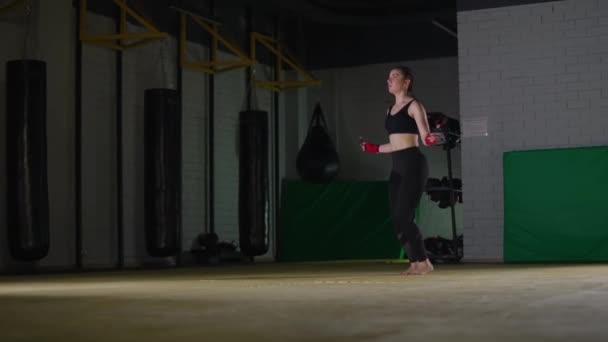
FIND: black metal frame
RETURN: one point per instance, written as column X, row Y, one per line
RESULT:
column 119, row 173
column 179, row 85
column 275, row 112
column 452, row 195
column 209, row 176
column 78, row 141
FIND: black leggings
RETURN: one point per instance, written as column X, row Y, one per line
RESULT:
column 407, row 183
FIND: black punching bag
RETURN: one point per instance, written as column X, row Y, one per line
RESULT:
column 317, row 160
column 27, row 195
column 162, row 171
column 253, row 182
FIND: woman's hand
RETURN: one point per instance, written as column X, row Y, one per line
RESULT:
column 369, row 147
column 434, row 139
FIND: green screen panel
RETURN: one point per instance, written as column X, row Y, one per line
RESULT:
column 556, row 205
column 336, row 221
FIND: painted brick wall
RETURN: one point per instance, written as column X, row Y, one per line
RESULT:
column 99, row 180
column 194, row 141
column 539, row 74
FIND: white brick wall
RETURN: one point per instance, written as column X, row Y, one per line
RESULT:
column 57, row 50
column 99, row 232
column 229, row 99
column 539, row 73
column 194, row 142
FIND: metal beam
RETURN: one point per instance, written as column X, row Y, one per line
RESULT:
column 212, row 65
column 118, row 41
column 120, row 22
column 78, row 148
column 281, row 58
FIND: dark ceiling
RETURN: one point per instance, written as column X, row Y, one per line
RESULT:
column 328, row 33
column 348, row 33
column 372, row 12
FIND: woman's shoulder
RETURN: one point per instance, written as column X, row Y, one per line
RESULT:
column 415, row 107
column 413, row 101
column 416, row 103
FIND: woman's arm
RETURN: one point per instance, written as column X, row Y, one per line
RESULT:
column 385, row 148
column 419, row 113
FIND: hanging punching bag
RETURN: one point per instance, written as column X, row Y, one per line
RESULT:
column 253, row 182
column 317, row 160
column 26, row 161
column 162, row 172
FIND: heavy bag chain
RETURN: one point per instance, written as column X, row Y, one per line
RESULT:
column 167, row 81
column 317, row 159
column 317, row 118
column 27, row 22
column 251, row 100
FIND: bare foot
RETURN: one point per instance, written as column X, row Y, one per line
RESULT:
column 424, row 267
column 410, row 270
column 419, row 268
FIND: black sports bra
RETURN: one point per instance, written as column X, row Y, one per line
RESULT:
column 400, row 122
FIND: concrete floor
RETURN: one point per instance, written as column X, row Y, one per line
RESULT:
column 356, row 301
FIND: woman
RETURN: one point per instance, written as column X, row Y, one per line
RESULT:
column 405, row 122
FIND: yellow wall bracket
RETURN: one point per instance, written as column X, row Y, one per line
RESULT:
column 214, row 65
column 280, row 84
column 123, row 39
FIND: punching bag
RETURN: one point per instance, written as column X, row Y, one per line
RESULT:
column 26, row 162
column 317, row 160
column 253, row 182
column 162, row 172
